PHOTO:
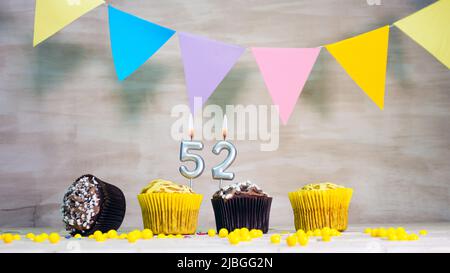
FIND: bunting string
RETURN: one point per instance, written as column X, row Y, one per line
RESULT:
column 285, row 71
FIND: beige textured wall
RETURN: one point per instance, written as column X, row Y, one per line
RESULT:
column 63, row 113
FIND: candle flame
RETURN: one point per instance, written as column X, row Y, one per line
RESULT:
column 224, row 127
column 191, row 127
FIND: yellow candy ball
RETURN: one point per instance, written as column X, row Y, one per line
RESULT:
column 300, row 232
column 275, row 239
column 368, row 231
column 223, row 232
column 17, row 237
column 211, row 232
column 423, row 232
column 161, row 236
column 326, row 238
column 1, row 236
column 123, row 236
column 179, row 236
column 254, row 233
column 54, row 238
column 39, row 239
column 325, row 232
column 374, row 232
column 244, row 232
column 8, row 238
column 334, row 232
column 291, row 240
column 392, row 237
column 30, row 236
column 132, row 238
column 326, row 229
column 310, row 233
column 391, row 231
column 233, row 238
column 91, row 236
column 382, row 232
column 44, row 236
column 413, row 237
column 402, row 237
column 246, row 238
column 244, row 229
column 97, row 233
column 100, row 238
column 77, row 236
column 259, row 232
column 112, row 234
column 137, row 233
column 317, row 232
column 303, row 240
column 170, row 236
column 400, row 230
column 147, row 234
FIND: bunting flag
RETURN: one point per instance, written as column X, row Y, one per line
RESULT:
column 206, row 63
column 52, row 16
column 285, row 71
column 430, row 28
column 364, row 58
column 133, row 40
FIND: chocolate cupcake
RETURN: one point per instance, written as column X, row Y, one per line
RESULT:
column 241, row 205
column 91, row 204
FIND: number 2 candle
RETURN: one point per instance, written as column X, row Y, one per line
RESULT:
column 218, row 172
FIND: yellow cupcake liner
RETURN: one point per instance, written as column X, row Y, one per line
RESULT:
column 316, row 209
column 170, row 213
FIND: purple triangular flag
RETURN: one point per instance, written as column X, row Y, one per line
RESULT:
column 206, row 63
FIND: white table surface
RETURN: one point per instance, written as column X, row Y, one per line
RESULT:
column 352, row 240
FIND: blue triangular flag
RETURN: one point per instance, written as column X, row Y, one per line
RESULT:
column 133, row 40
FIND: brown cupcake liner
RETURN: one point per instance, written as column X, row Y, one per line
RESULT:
column 112, row 209
column 239, row 212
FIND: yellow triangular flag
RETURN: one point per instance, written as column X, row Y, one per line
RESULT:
column 430, row 28
column 364, row 57
column 51, row 16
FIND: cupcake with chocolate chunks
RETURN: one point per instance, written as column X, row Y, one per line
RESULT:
column 242, row 205
column 91, row 204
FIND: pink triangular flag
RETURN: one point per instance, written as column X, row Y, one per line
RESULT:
column 206, row 63
column 285, row 71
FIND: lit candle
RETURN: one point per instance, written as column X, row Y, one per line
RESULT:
column 186, row 155
column 218, row 172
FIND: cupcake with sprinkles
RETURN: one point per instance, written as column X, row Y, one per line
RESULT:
column 169, row 208
column 91, row 204
column 321, row 205
column 241, row 205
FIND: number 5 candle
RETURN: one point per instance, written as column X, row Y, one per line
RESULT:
column 186, row 155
